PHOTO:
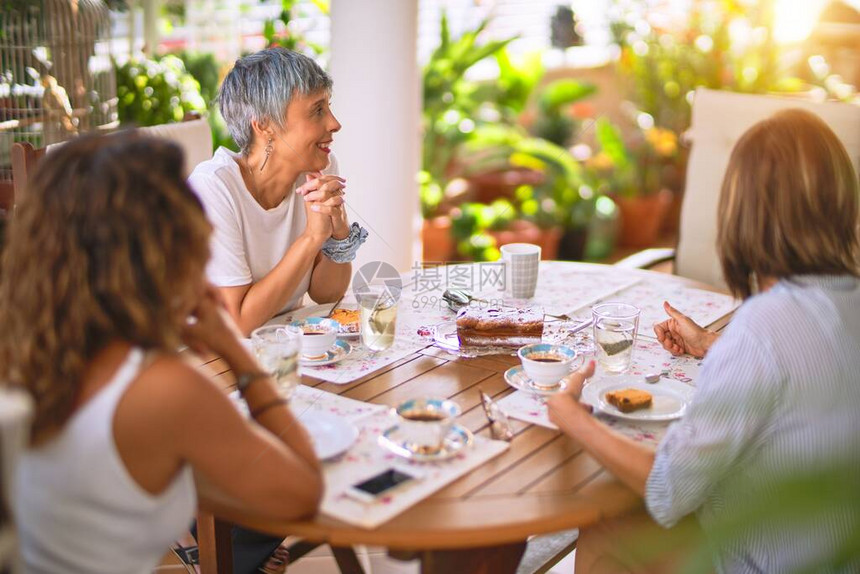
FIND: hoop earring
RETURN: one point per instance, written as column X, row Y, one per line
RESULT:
column 269, row 149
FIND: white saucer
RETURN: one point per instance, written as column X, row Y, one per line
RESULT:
column 518, row 379
column 331, row 436
column 459, row 438
column 337, row 352
column 670, row 397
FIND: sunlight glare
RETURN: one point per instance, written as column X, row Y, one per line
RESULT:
column 795, row 19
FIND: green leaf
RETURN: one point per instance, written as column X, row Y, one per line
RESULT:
column 562, row 92
column 444, row 33
column 609, row 138
column 269, row 31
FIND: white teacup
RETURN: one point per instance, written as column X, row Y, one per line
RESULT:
column 424, row 423
column 318, row 335
column 547, row 364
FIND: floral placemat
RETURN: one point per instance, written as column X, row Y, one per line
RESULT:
column 307, row 401
column 648, row 357
column 704, row 307
column 367, row 458
column 411, row 319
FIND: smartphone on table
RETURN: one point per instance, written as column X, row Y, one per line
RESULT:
column 372, row 488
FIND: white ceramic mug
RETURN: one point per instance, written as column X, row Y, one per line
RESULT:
column 522, row 261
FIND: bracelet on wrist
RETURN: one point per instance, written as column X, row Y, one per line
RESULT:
column 344, row 250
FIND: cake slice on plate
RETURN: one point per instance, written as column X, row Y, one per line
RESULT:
column 499, row 326
column 629, row 400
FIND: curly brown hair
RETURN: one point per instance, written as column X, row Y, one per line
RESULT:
column 108, row 244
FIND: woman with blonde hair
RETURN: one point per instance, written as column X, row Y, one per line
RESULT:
column 776, row 402
column 102, row 280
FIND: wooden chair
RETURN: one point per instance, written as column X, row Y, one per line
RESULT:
column 719, row 120
column 194, row 136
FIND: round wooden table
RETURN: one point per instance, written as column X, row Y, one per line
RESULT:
column 543, row 483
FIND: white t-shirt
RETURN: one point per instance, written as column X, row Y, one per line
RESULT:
column 248, row 240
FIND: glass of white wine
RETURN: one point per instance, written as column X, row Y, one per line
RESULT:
column 378, row 309
column 277, row 348
column 615, row 329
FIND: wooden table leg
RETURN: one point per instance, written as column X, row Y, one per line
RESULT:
column 488, row 560
column 214, row 544
column 346, row 560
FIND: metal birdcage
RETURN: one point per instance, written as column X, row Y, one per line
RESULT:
column 56, row 72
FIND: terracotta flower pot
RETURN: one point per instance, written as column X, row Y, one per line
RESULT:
column 521, row 231
column 436, row 239
column 487, row 187
column 642, row 218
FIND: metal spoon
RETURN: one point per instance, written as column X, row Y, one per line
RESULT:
column 654, row 378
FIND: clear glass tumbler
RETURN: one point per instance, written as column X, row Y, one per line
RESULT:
column 278, row 348
column 378, row 309
column 615, row 329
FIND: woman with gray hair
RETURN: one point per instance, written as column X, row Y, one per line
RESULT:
column 277, row 206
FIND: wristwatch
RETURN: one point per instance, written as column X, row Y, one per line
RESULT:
column 244, row 380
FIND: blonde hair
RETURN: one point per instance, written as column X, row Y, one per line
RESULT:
column 789, row 203
column 106, row 241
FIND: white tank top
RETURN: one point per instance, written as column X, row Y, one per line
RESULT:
column 78, row 510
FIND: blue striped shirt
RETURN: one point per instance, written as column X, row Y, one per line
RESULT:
column 778, row 397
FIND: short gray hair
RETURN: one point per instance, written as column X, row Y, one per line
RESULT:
column 260, row 87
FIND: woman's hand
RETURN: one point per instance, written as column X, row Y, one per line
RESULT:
column 679, row 334
column 325, row 194
column 319, row 226
column 210, row 327
column 564, row 405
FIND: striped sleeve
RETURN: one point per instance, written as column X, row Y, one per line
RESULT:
column 726, row 420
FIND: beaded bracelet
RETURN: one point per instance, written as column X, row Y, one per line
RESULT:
column 259, row 411
column 344, row 250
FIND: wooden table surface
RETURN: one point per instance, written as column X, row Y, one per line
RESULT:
column 543, row 483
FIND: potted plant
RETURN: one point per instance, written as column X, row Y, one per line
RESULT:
column 634, row 175
column 437, row 240
column 562, row 204
column 470, row 224
column 554, row 120
column 453, row 104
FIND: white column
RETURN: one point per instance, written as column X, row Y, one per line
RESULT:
column 150, row 26
column 377, row 98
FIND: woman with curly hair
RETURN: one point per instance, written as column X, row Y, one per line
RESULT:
column 103, row 268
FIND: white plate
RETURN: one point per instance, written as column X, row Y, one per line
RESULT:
column 459, row 438
column 331, row 436
column 320, row 311
column 445, row 335
column 338, row 351
column 518, row 379
column 670, row 397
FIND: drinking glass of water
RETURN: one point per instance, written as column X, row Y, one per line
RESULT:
column 277, row 348
column 378, row 310
column 615, row 328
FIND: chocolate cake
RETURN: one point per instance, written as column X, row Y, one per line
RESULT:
column 499, row 326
